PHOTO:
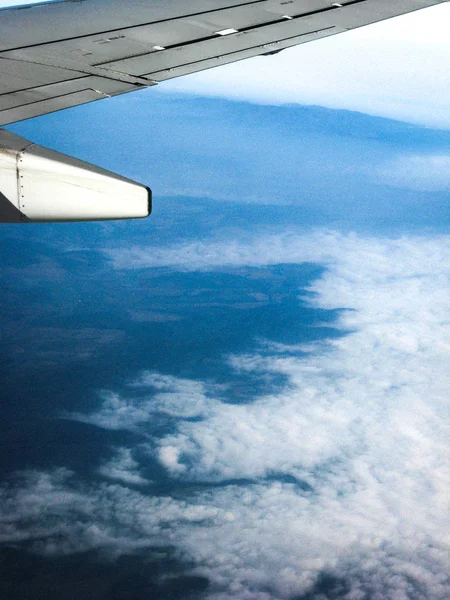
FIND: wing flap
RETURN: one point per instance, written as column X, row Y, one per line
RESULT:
column 269, row 47
column 104, row 87
column 19, row 75
column 43, row 107
column 218, row 46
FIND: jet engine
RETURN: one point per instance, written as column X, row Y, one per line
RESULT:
column 38, row 184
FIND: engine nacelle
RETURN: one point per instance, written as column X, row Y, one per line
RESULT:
column 37, row 184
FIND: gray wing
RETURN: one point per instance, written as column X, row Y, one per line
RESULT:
column 61, row 54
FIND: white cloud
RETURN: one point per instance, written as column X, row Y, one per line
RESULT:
column 397, row 69
column 123, row 467
column 175, row 396
column 429, row 172
column 362, row 422
column 362, row 425
column 116, row 413
column 58, row 515
column 328, row 247
column 172, row 396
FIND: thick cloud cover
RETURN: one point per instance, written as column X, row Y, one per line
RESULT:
column 343, row 472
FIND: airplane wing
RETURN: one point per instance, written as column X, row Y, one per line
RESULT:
column 62, row 54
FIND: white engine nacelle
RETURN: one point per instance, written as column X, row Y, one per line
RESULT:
column 38, row 184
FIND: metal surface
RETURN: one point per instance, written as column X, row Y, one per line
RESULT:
column 42, row 185
column 61, row 54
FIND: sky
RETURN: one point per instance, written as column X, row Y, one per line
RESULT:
column 245, row 395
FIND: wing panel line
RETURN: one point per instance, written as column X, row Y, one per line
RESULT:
column 197, row 14
column 248, row 48
column 145, row 24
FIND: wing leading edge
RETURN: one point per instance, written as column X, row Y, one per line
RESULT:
column 62, row 54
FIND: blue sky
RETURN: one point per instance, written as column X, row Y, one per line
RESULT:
column 247, row 391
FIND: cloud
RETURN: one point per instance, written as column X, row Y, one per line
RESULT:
column 56, row 514
column 343, row 473
column 396, row 69
column 171, row 396
column 123, row 467
column 360, row 427
column 387, row 257
column 418, row 172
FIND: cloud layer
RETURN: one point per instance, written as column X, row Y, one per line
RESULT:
column 344, row 473
column 429, row 172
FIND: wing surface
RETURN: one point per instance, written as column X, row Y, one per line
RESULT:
column 61, row 54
